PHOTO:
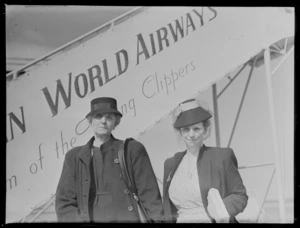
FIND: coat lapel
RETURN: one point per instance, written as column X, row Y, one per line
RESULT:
column 171, row 168
column 204, row 169
column 177, row 159
column 84, row 154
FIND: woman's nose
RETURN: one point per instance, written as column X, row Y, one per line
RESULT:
column 103, row 119
column 191, row 133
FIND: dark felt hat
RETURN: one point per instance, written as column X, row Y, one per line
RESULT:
column 190, row 113
column 103, row 105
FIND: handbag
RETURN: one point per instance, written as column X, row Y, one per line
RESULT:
column 130, row 184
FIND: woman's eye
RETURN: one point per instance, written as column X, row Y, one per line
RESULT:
column 98, row 116
column 109, row 116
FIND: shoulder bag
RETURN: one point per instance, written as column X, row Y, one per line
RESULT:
column 129, row 182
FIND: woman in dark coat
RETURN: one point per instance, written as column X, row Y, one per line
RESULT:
column 199, row 171
column 91, row 187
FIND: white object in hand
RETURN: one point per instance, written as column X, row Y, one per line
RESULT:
column 216, row 207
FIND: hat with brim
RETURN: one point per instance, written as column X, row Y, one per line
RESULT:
column 103, row 105
column 191, row 113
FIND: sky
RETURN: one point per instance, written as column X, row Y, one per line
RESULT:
column 33, row 31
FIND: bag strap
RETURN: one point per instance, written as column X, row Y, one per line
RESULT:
column 127, row 178
column 123, row 165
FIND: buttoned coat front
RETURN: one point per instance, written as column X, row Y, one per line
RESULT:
column 116, row 204
column 217, row 168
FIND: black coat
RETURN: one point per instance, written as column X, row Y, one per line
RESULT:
column 217, row 168
column 115, row 204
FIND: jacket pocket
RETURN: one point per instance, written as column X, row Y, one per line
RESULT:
column 103, row 207
column 103, row 198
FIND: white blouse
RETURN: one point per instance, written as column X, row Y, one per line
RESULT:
column 185, row 193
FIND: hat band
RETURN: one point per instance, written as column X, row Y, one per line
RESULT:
column 188, row 105
column 102, row 106
column 184, row 107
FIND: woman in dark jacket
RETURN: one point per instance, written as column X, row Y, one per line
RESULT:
column 91, row 187
column 201, row 181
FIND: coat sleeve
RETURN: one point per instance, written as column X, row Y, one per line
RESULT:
column 66, row 198
column 166, row 173
column 237, row 199
column 146, row 182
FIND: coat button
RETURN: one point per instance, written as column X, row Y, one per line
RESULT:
column 116, row 161
column 126, row 191
column 130, row 208
column 121, row 176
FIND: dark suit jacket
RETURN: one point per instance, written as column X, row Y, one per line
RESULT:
column 217, row 168
column 115, row 203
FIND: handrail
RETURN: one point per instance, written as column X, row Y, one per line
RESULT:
column 232, row 79
column 42, row 210
column 78, row 39
column 44, row 206
column 255, row 165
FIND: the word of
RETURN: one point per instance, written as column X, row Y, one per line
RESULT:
column 34, row 167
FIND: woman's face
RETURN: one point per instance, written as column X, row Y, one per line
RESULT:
column 194, row 134
column 103, row 124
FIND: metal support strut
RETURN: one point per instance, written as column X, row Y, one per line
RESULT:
column 274, row 134
column 242, row 101
column 216, row 115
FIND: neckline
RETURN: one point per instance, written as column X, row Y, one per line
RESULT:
column 98, row 144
